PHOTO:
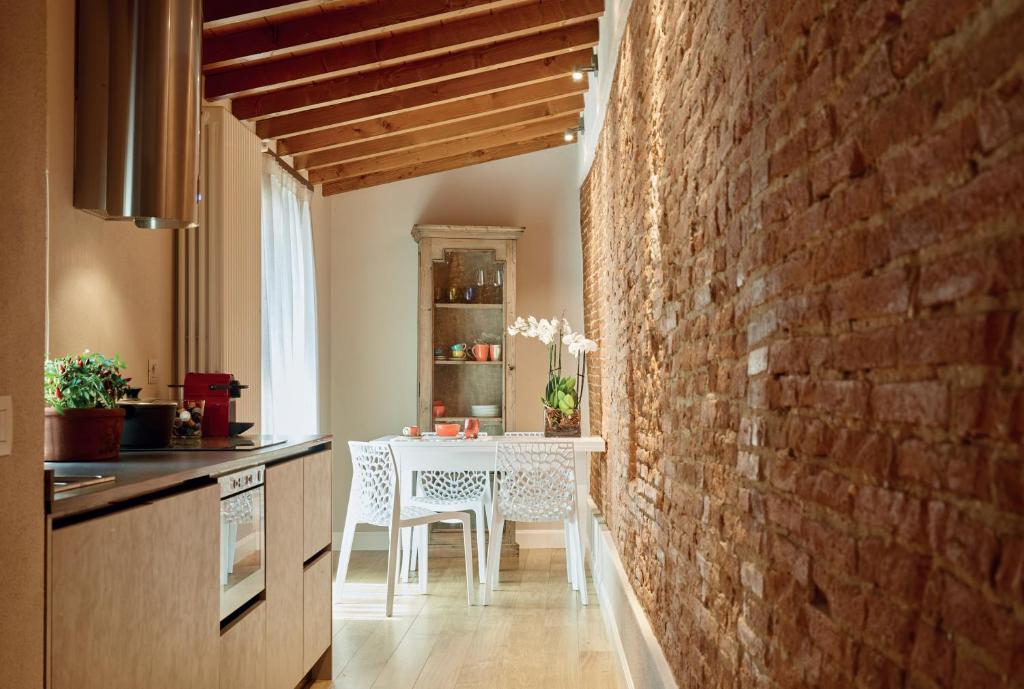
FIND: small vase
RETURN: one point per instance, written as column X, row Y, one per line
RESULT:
column 558, row 424
column 82, row 435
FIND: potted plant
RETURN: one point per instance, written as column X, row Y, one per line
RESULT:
column 562, row 394
column 83, row 422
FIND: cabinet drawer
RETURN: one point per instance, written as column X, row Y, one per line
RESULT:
column 243, row 651
column 316, row 609
column 284, row 575
column 134, row 597
column 316, row 503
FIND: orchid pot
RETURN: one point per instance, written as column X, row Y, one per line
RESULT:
column 562, row 394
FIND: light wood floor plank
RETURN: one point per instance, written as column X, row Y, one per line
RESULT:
column 535, row 634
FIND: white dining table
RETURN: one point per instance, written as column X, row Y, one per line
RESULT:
column 434, row 453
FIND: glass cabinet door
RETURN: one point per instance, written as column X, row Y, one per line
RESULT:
column 469, row 338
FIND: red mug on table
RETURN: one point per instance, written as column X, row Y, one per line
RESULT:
column 472, row 428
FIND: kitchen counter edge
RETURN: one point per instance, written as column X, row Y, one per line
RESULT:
column 145, row 474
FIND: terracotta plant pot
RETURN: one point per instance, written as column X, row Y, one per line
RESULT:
column 82, row 435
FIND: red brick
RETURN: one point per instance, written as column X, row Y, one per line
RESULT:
column 898, row 513
column 841, row 397
column 981, row 339
column 870, row 349
column 891, row 625
column 961, row 469
column 877, row 295
column 876, row 671
column 968, row 544
column 892, row 568
column 918, row 402
column 868, row 453
column 932, row 654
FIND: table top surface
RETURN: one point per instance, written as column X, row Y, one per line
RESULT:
column 589, row 443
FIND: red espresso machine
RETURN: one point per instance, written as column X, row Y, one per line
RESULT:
column 219, row 390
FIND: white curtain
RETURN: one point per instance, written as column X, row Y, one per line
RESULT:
column 289, row 377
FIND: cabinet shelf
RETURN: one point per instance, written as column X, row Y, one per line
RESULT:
column 453, row 362
column 460, row 419
column 496, row 307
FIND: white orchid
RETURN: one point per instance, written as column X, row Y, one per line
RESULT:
column 578, row 344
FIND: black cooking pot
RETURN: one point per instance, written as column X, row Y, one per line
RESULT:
column 147, row 423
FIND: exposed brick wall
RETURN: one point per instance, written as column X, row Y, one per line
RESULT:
column 804, row 255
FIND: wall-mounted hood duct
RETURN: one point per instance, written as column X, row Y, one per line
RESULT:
column 137, row 110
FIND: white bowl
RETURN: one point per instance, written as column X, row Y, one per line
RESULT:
column 484, row 410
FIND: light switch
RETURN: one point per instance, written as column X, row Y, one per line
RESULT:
column 153, row 374
column 6, row 416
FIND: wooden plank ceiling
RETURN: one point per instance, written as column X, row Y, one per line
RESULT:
column 365, row 92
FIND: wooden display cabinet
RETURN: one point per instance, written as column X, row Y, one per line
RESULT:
column 453, row 258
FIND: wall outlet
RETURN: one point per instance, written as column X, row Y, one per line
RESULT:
column 153, row 375
column 6, row 427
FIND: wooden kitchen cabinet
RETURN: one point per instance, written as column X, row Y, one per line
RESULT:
column 243, row 651
column 284, row 595
column 134, row 598
column 316, row 588
column 298, row 597
column 316, row 503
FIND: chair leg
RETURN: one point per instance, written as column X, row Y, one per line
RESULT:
column 494, row 557
column 480, row 543
column 580, row 558
column 389, row 604
column 468, row 553
column 424, row 548
column 347, row 536
column 407, row 552
column 570, row 550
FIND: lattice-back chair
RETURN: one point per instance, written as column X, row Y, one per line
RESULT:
column 454, row 491
column 536, row 482
column 375, row 499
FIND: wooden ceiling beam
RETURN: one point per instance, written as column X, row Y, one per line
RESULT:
column 563, row 40
column 342, row 24
column 217, row 12
column 413, row 120
column 420, row 96
column 490, row 122
column 467, row 144
column 443, row 164
column 464, row 33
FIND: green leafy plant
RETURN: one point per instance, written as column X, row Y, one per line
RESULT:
column 83, row 381
column 560, row 393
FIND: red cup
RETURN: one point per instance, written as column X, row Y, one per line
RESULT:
column 481, row 352
column 472, row 428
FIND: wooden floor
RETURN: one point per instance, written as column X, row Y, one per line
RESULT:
column 535, row 634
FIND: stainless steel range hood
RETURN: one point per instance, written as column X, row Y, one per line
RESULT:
column 137, row 110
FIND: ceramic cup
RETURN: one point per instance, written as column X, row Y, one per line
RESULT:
column 471, row 428
column 495, row 352
column 411, row 431
column 458, row 351
column 481, row 352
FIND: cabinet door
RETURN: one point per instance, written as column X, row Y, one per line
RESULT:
column 284, row 575
column 316, row 529
column 317, row 609
column 243, row 650
column 135, row 597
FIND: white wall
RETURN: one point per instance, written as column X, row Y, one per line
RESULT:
column 373, row 284
column 612, row 26
column 111, row 285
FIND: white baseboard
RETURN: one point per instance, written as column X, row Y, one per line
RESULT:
column 526, row 538
column 641, row 658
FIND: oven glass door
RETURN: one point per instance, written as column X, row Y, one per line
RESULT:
column 242, row 549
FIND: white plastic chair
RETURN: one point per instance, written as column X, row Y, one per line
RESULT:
column 454, row 491
column 536, row 482
column 375, row 499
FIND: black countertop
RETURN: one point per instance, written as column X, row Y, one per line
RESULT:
column 138, row 474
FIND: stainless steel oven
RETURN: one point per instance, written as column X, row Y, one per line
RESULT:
column 242, row 539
